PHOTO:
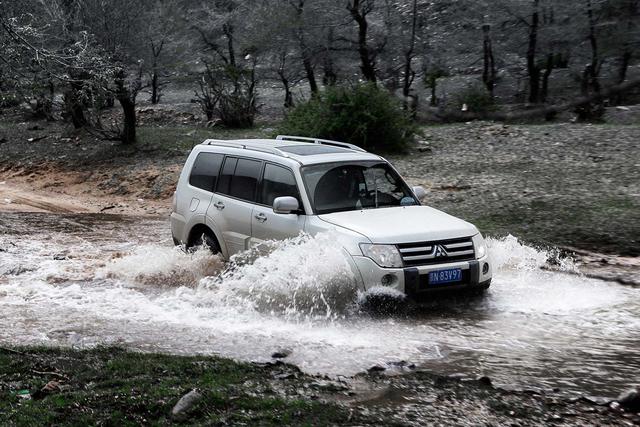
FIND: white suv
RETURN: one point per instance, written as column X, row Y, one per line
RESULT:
column 234, row 194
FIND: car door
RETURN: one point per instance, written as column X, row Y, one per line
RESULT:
column 233, row 202
column 277, row 181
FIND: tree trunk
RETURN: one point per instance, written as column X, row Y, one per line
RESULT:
column 308, row 68
column 409, row 74
column 305, row 53
column 228, row 31
column 155, row 96
column 622, row 73
column 489, row 69
column 624, row 66
column 593, row 41
column 434, row 96
column 129, row 115
column 330, row 77
column 288, row 96
column 367, row 62
column 545, row 78
column 532, row 67
column 74, row 107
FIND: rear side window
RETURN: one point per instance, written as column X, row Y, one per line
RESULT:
column 206, row 168
column 277, row 182
column 240, row 178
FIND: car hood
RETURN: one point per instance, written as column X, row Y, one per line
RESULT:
column 402, row 224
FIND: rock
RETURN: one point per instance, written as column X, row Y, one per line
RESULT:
column 60, row 257
column 485, row 381
column 186, row 402
column 403, row 365
column 630, row 399
column 24, row 394
column 596, row 400
column 49, row 388
column 376, row 369
column 285, row 376
column 281, row 354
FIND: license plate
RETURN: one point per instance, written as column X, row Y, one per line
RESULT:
column 450, row 275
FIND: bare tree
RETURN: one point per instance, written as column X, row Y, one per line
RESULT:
column 488, row 63
column 359, row 11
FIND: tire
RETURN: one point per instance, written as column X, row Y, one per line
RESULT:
column 205, row 239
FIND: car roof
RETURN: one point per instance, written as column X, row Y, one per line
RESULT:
column 302, row 152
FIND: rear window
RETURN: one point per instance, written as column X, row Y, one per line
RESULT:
column 206, row 168
column 239, row 178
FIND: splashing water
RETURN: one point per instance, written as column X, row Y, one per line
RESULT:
column 83, row 280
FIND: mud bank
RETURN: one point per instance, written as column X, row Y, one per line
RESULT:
column 111, row 385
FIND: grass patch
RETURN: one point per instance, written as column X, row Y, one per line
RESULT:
column 117, row 387
column 607, row 224
column 184, row 138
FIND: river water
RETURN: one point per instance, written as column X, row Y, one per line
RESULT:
column 82, row 280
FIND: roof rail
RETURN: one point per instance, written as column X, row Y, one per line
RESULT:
column 235, row 144
column 320, row 141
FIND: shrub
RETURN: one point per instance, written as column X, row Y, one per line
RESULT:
column 237, row 110
column 477, row 99
column 9, row 100
column 365, row 115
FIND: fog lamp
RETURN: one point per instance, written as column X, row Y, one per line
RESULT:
column 388, row 279
column 485, row 268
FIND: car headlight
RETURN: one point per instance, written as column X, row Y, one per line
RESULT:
column 479, row 245
column 383, row 255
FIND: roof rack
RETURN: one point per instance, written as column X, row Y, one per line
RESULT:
column 320, row 141
column 234, row 144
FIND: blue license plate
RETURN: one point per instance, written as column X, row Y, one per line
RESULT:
column 450, row 275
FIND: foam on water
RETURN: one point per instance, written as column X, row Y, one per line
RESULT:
column 535, row 325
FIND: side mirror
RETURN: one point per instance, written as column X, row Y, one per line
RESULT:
column 285, row 205
column 420, row 192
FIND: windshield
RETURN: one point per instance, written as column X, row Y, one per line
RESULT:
column 339, row 187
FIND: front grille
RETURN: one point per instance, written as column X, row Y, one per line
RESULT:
column 438, row 252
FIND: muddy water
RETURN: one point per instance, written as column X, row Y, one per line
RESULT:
column 81, row 280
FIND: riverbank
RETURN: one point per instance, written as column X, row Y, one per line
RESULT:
column 41, row 386
column 567, row 185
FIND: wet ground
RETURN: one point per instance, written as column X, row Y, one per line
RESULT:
column 79, row 280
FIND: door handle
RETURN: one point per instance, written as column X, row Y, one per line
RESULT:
column 219, row 205
column 261, row 217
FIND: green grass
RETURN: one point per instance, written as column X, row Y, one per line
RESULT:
column 606, row 224
column 117, row 387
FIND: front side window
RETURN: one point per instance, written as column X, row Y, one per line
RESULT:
column 204, row 173
column 239, row 178
column 277, row 182
column 338, row 187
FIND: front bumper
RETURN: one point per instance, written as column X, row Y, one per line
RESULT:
column 413, row 280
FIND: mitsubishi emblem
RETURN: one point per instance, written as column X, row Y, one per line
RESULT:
column 440, row 252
